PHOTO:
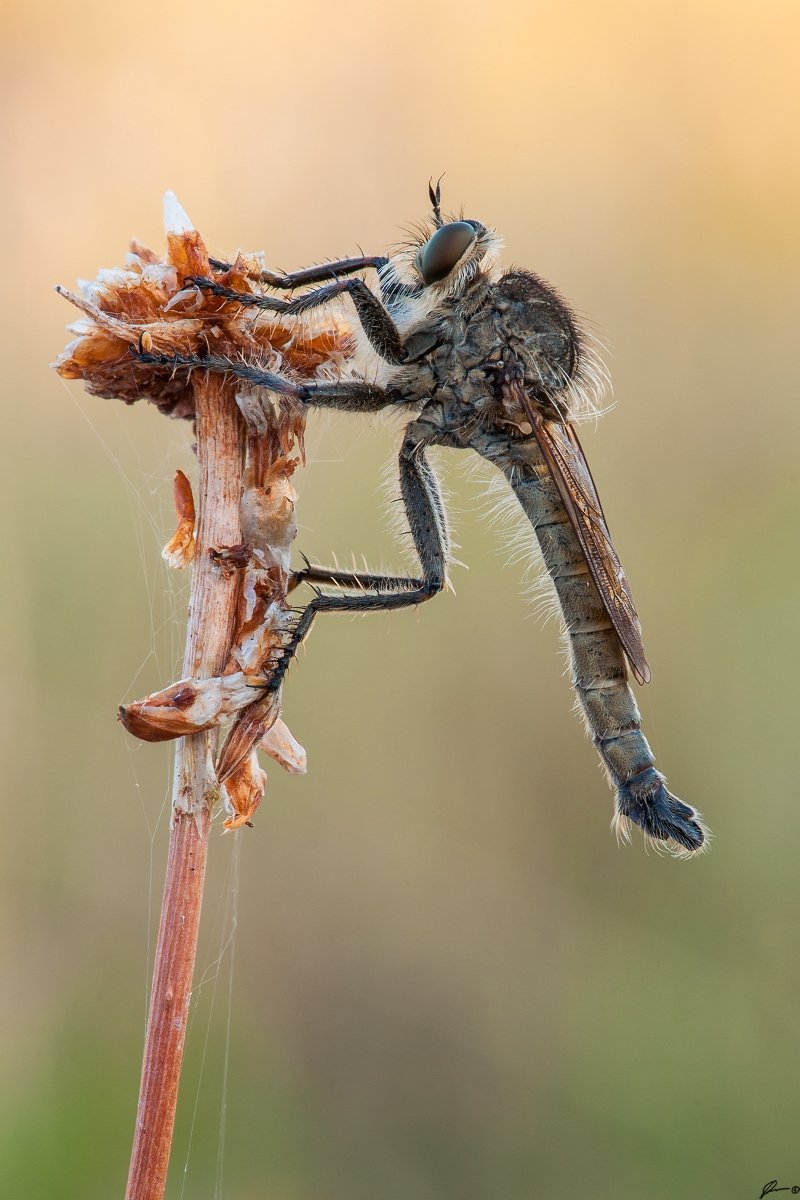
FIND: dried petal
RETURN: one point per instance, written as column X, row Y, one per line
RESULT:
column 176, row 219
column 281, row 744
column 179, row 550
column 187, row 253
column 188, row 706
column 189, row 299
column 246, row 732
column 243, row 791
column 143, row 253
column 252, row 407
column 102, row 358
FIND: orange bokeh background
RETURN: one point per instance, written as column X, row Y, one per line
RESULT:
column 449, row 980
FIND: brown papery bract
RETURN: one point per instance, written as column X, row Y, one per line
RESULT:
column 149, row 298
column 242, row 793
column 188, row 706
column 179, row 550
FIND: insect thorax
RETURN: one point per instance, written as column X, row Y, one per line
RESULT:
column 517, row 327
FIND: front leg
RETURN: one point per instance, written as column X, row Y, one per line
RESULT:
column 352, row 395
column 309, row 275
column 376, row 322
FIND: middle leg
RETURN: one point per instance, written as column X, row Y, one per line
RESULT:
column 363, row 581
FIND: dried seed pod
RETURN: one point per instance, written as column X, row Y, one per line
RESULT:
column 188, row 706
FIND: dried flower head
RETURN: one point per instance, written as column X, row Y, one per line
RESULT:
column 147, row 302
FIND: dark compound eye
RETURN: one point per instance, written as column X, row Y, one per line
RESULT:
column 441, row 252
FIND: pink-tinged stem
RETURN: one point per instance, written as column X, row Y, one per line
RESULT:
column 212, row 610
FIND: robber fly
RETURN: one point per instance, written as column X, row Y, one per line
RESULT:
column 494, row 362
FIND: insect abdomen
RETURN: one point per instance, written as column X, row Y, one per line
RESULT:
column 599, row 669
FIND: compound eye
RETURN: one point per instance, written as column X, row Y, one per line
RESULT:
column 442, row 251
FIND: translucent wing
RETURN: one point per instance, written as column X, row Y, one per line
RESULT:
column 565, row 458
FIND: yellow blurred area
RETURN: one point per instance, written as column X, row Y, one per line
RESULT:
column 449, row 981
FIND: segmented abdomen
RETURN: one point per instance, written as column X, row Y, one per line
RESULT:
column 599, row 670
column 598, row 662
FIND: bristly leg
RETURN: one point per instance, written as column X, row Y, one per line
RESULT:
column 309, row 275
column 351, row 395
column 419, row 491
column 245, row 299
column 375, row 320
column 356, row 580
column 423, row 504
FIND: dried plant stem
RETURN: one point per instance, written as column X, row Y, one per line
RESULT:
column 220, row 453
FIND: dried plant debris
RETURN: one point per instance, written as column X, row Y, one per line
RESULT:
column 242, row 793
column 249, row 729
column 151, row 303
column 146, row 302
column 279, row 743
column 243, row 790
column 179, row 550
column 188, row 706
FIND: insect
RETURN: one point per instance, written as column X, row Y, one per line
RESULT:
column 493, row 362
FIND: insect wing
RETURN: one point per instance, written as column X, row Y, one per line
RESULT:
column 567, row 463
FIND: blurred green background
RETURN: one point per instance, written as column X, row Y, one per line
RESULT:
column 449, row 981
